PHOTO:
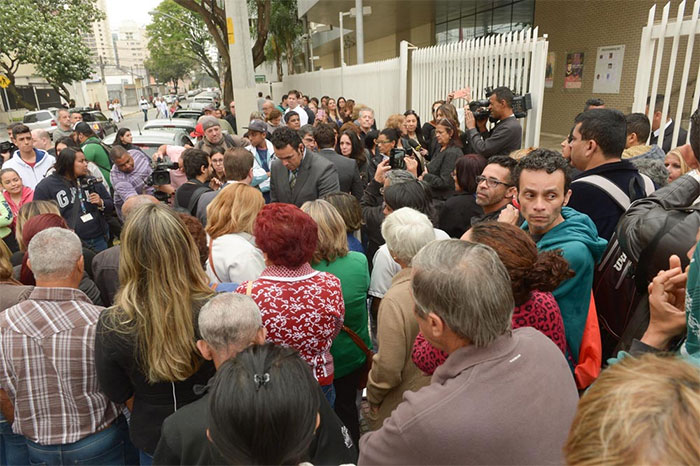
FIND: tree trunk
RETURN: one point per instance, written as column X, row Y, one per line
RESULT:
column 228, row 84
column 278, row 61
column 290, row 59
column 62, row 91
column 12, row 89
column 262, row 26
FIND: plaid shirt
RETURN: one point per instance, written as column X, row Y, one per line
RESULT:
column 47, row 367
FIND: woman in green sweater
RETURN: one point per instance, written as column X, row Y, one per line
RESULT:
column 351, row 268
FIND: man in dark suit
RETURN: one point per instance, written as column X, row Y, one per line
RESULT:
column 668, row 127
column 348, row 173
column 298, row 175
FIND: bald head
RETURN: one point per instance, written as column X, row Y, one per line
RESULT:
column 135, row 201
column 41, row 139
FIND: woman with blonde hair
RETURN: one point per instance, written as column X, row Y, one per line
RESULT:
column 351, row 268
column 29, row 210
column 675, row 164
column 642, row 410
column 233, row 255
column 145, row 348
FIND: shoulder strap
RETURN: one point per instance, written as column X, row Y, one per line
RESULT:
column 648, row 184
column 358, row 341
column 211, row 261
column 195, row 198
column 609, row 187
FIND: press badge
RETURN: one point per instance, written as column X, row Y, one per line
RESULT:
column 86, row 218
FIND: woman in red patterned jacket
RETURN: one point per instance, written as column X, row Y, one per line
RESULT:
column 533, row 276
column 300, row 307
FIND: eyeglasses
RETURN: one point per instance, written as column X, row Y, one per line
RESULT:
column 491, row 182
column 383, row 142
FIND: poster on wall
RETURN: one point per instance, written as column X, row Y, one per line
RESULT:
column 608, row 69
column 573, row 77
column 549, row 73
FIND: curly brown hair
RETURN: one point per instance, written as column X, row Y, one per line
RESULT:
column 529, row 269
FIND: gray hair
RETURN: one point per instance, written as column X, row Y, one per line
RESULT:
column 399, row 176
column 653, row 168
column 41, row 134
column 54, row 252
column 467, row 286
column 366, row 109
column 229, row 319
column 406, row 231
column 304, row 130
column 62, row 110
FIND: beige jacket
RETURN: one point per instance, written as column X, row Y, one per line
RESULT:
column 393, row 371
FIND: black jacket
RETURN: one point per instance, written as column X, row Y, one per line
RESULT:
column 503, row 139
column 120, row 377
column 671, row 208
column 58, row 188
column 348, row 172
column 668, row 136
column 597, row 204
column 372, row 217
column 457, row 213
column 184, row 437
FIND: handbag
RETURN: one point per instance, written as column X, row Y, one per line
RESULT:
column 362, row 382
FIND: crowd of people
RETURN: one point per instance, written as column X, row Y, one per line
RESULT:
column 320, row 288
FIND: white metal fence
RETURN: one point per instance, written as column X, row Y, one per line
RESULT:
column 374, row 84
column 517, row 60
column 651, row 57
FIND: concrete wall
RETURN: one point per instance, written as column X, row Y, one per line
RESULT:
column 585, row 26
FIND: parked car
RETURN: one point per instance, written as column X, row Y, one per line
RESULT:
column 100, row 124
column 42, row 119
column 170, row 98
column 150, row 140
column 187, row 114
column 171, row 125
column 199, row 102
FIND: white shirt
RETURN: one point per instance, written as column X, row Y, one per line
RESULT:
column 385, row 268
column 658, row 130
column 303, row 116
column 236, row 259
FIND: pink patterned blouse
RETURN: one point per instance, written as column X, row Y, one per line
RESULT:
column 301, row 308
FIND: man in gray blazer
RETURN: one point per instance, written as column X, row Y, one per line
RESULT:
column 298, row 175
column 348, row 173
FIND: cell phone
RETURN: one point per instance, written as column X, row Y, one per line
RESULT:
column 396, row 161
column 321, row 114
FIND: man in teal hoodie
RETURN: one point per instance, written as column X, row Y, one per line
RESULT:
column 543, row 182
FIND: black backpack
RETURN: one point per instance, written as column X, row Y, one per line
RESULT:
column 619, row 285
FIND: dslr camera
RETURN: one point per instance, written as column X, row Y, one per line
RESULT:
column 480, row 108
column 161, row 171
column 396, row 161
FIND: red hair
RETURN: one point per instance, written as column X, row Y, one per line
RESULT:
column 286, row 234
column 33, row 226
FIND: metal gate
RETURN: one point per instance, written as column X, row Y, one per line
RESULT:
column 652, row 55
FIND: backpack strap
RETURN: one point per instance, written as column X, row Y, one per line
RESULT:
column 195, row 199
column 648, row 184
column 610, row 188
column 211, row 262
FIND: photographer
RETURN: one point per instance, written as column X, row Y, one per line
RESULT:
column 505, row 136
column 131, row 173
column 197, row 165
column 82, row 200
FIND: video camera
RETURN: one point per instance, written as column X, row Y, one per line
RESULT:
column 480, row 108
column 161, row 171
column 88, row 183
column 161, row 175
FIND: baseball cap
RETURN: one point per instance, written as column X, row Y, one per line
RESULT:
column 198, row 131
column 82, row 128
column 257, row 125
column 208, row 121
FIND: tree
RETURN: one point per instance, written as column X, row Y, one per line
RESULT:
column 178, row 34
column 165, row 67
column 214, row 18
column 44, row 33
column 285, row 28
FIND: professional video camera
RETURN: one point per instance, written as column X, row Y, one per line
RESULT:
column 88, row 183
column 161, row 171
column 161, row 175
column 480, row 108
column 7, row 146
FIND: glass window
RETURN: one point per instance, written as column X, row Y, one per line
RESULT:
column 501, row 20
column 453, row 11
column 440, row 11
column 453, row 31
column 482, row 25
column 441, row 33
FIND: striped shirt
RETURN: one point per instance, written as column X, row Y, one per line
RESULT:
column 47, row 367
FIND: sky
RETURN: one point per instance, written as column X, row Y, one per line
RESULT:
column 129, row 10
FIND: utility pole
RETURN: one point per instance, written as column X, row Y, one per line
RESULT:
column 242, row 69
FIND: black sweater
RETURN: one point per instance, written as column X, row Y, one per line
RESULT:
column 120, row 378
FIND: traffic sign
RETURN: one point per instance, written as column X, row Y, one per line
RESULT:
column 4, row 81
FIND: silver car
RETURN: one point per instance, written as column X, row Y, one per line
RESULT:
column 42, row 119
column 171, row 125
column 200, row 102
column 149, row 141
